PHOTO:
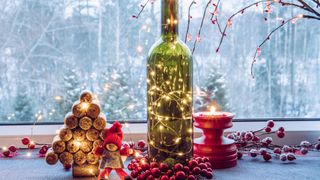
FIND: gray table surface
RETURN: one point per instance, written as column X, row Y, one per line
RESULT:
column 307, row 167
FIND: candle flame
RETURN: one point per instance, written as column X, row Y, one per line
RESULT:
column 213, row 109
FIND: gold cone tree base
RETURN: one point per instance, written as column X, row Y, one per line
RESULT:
column 85, row 170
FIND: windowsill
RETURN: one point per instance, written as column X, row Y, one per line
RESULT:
column 296, row 131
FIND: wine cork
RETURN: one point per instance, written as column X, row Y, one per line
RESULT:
column 92, row 158
column 79, row 134
column 86, row 146
column 85, row 123
column 51, row 157
column 73, row 146
column 92, row 134
column 71, row 121
column 97, row 142
column 79, row 109
column 103, row 133
column 79, row 157
column 65, row 134
column 86, row 96
column 66, row 158
column 58, row 145
column 93, row 110
column 100, row 122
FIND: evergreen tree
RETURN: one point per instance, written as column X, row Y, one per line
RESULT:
column 118, row 101
column 23, row 106
column 71, row 88
column 213, row 92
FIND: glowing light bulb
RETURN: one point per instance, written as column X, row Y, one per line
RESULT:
column 58, row 131
column 161, row 127
column 4, row 148
column 180, row 154
column 91, row 171
column 300, row 16
column 190, row 130
column 139, row 48
column 58, row 98
column 28, row 154
column 77, row 143
column 84, row 106
column 178, row 140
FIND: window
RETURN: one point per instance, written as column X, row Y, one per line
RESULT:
column 52, row 50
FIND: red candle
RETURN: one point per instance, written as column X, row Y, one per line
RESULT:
column 221, row 151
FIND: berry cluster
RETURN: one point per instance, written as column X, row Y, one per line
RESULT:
column 9, row 152
column 142, row 169
column 254, row 145
column 132, row 149
column 32, row 145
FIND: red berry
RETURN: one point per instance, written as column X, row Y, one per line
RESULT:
column 178, row 167
column 25, row 141
column 147, row 173
column 291, row 157
column 45, row 147
column 31, row 146
column 253, row 152
column 169, row 173
column 209, row 175
column 263, row 151
column 163, row 167
column 145, row 166
column 172, row 178
column 180, row 175
column 304, row 151
column 156, row 172
column 280, row 134
column 270, row 123
column 205, row 159
column 199, row 160
column 6, row 153
column 12, row 149
column 267, row 157
column 164, row 177
column 131, row 144
column 277, row 151
column 209, row 170
column 255, row 138
column 67, row 166
column 281, row 129
column 317, row 146
column 192, row 164
column 248, row 136
column 208, row 164
column 186, row 169
column 203, row 172
column 42, row 151
column 141, row 143
column 283, row 157
column 150, row 177
column 191, row 177
column 202, row 166
column 141, row 177
column 134, row 174
column 130, row 167
column 267, row 129
column 196, row 171
column 239, row 155
column 154, row 165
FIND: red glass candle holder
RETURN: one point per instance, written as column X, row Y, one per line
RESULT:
column 221, row 151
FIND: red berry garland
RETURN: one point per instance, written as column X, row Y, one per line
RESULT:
column 250, row 143
column 142, row 168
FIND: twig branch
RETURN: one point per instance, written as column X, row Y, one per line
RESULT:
column 200, row 28
column 189, row 19
column 141, row 10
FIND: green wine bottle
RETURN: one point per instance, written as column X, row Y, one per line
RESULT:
column 169, row 92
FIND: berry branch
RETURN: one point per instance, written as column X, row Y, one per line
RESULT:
column 252, row 144
column 303, row 5
column 141, row 10
column 189, row 19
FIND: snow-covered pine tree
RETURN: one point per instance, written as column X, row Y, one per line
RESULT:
column 213, row 92
column 23, row 106
column 70, row 90
column 118, row 101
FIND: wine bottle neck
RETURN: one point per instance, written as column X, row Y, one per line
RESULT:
column 169, row 19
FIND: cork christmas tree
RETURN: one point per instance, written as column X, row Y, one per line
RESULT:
column 83, row 130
